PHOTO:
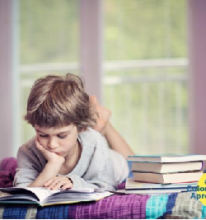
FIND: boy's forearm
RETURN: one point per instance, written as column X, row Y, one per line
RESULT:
column 50, row 170
column 116, row 141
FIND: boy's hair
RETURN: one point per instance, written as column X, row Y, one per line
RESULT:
column 57, row 101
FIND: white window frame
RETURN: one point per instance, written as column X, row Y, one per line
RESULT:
column 91, row 45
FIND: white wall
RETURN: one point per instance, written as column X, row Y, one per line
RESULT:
column 197, row 58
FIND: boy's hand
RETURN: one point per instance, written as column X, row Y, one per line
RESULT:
column 49, row 156
column 59, row 182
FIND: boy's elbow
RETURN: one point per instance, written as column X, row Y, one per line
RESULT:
column 22, row 185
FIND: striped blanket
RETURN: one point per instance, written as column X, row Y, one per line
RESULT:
column 176, row 205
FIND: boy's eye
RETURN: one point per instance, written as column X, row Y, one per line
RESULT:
column 59, row 136
column 43, row 136
column 62, row 137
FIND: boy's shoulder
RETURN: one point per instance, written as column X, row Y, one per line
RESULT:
column 28, row 146
column 90, row 136
column 29, row 143
column 28, row 154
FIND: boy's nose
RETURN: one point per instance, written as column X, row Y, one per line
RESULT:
column 52, row 144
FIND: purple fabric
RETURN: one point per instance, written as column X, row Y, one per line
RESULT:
column 7, row 171
column 9, row 164
column 121, row 186
column 113, row 207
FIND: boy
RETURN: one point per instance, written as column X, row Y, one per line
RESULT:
column 66, row 151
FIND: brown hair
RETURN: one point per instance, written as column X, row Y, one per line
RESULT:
column 57, row 101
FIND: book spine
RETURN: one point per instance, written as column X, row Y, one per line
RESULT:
column 130, row 169
column 202, row 165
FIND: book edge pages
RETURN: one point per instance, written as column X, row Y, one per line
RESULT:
column 105, row 194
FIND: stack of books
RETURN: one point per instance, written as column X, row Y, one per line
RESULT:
column 163, row 174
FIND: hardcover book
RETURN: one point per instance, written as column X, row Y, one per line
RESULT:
column 168, row 177
column 169, row 158
column 166, row 167
column 134, row 187
column 131, row 184
column 152, row 191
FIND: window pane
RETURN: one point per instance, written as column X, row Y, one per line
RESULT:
column 49, row 43
column 146, row 73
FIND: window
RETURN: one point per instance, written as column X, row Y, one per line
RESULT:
column 145, row 64
column 145, row 68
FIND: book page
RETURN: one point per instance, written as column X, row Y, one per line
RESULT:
column 67, row 197
column 41, row 192
column 30, row 193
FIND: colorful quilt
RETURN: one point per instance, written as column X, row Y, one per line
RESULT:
column 176, row 205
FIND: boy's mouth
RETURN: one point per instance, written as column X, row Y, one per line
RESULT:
column 58, row 153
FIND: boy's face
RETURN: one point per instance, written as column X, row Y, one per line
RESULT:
column 61, row 141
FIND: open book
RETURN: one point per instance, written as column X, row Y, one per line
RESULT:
column 45, row 197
